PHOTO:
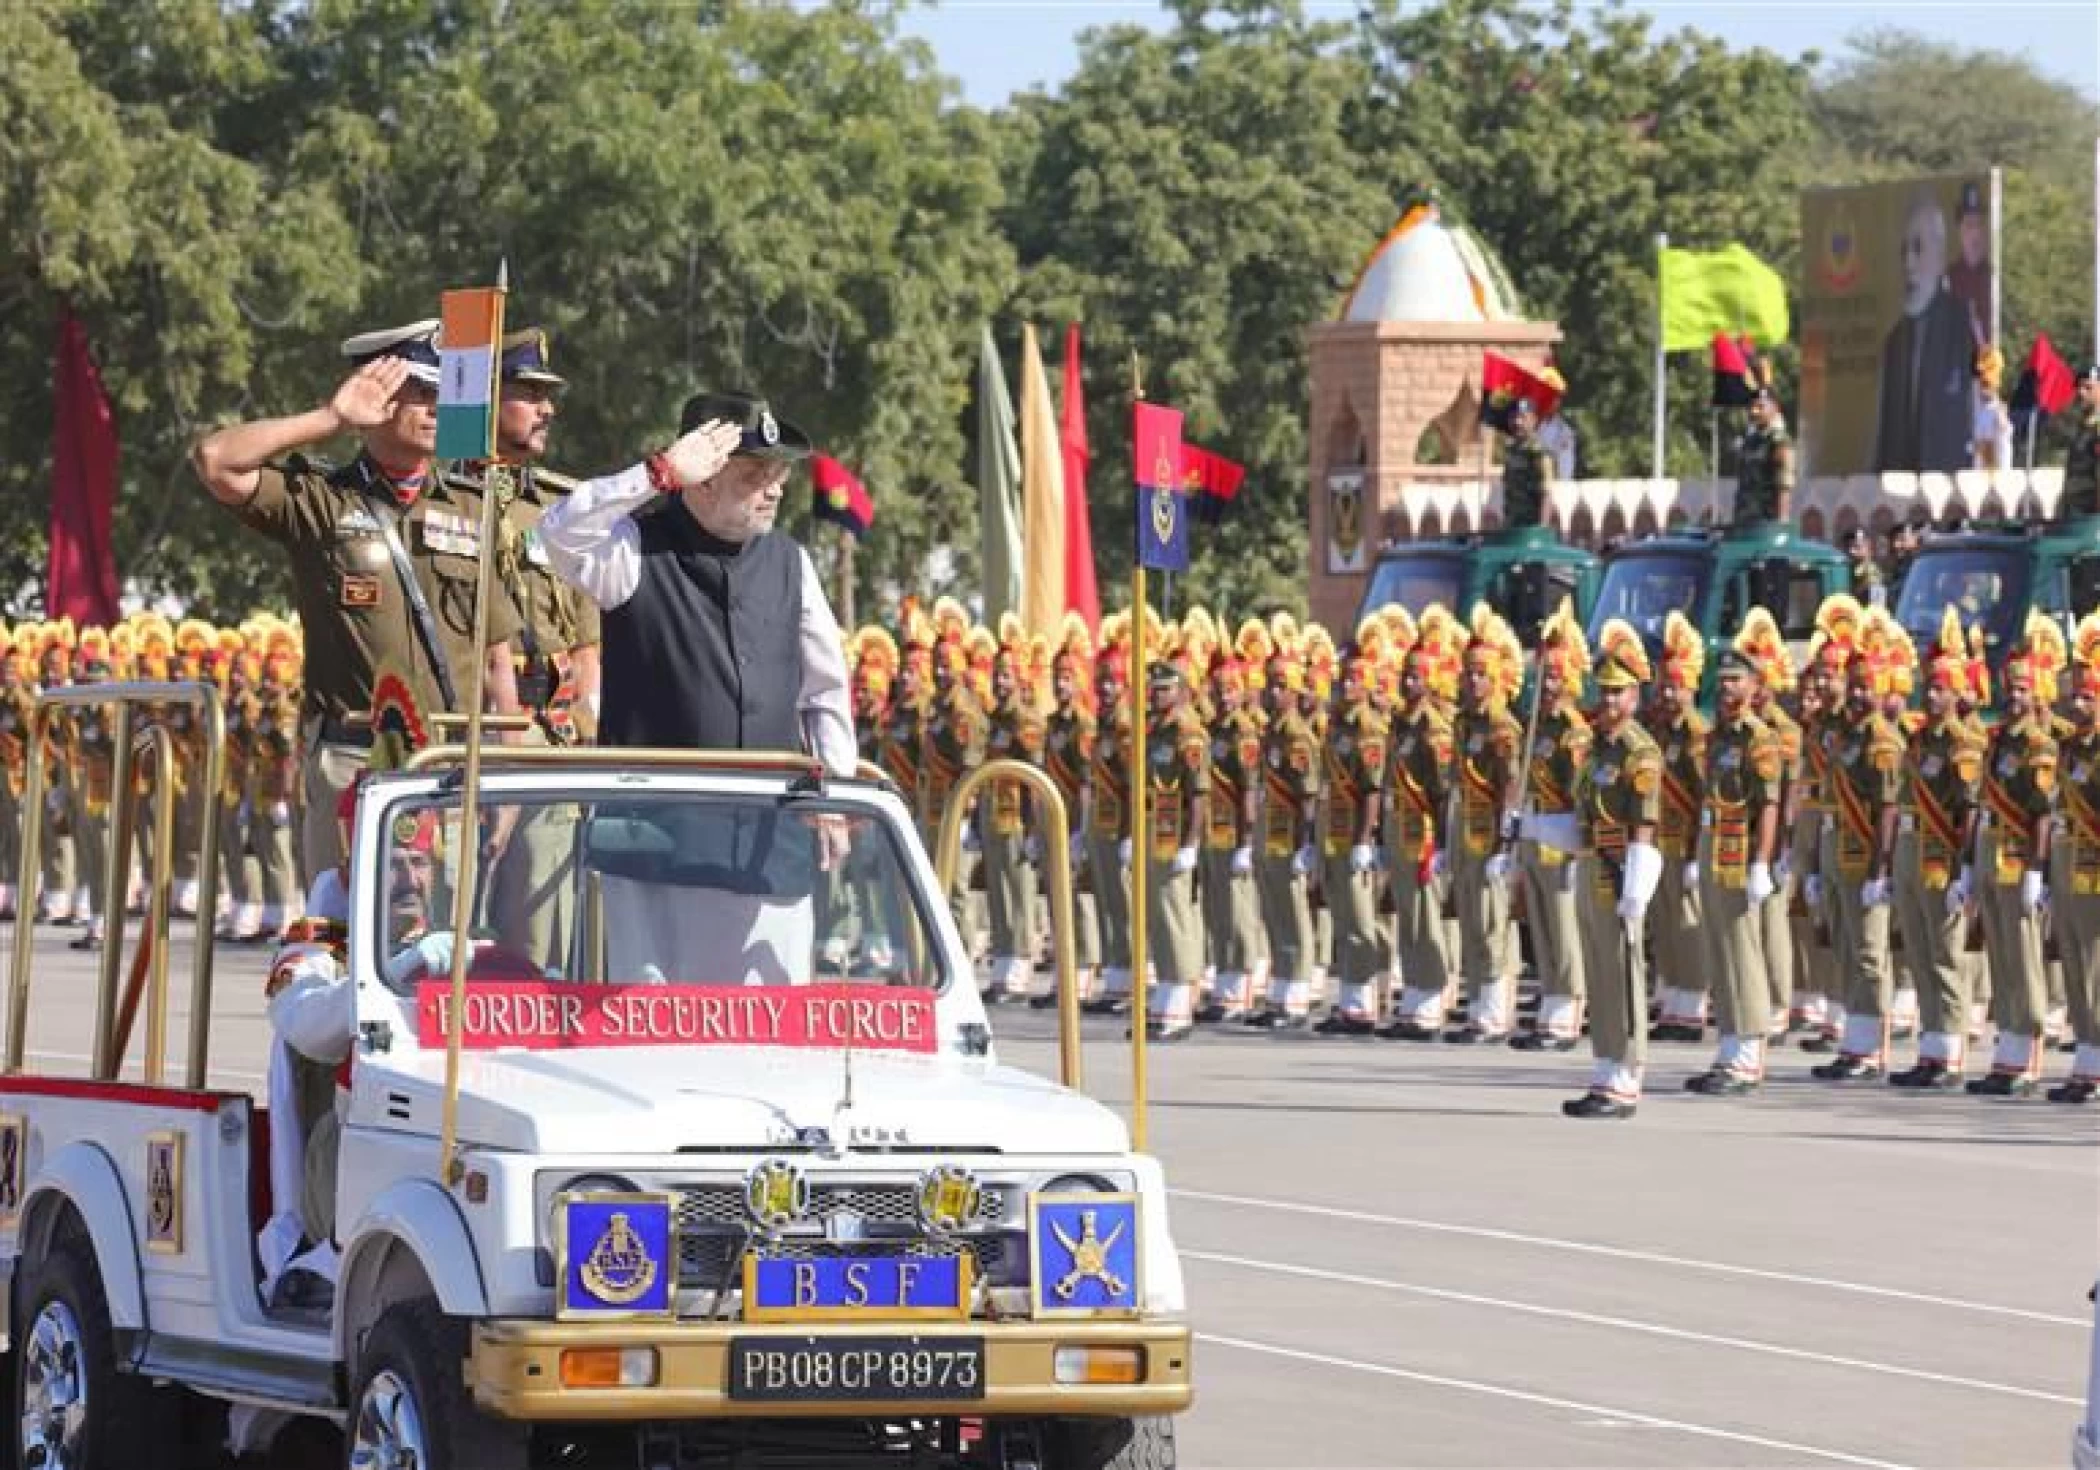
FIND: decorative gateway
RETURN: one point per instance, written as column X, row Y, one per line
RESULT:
column 684, row 1193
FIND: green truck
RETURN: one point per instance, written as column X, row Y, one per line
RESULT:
column 1523, row 574
column 1996, row 575
column 1714, row 578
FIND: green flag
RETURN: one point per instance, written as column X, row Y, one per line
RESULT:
column 998, row 485
column 1727, row 290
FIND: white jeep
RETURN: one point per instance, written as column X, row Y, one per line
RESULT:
column 737, row 1176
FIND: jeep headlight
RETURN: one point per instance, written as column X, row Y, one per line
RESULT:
column 1080, row 1184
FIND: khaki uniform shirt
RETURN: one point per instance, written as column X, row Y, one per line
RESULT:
column 1013, row 732
column 2081, row 808
column 1866, row 780
column 356, row 616
column 1110, row 767
column 1941, row 778
column 555, row 619
column 1177, row 770
column 2019, row 792
column 1617, row 792
column 1355, row 755
column 1683, row 745
column 1068, row 747
column 1745, row 767
column 1290, row 764
column 1235, row 766
column 1487, row 753
column 1422, row 746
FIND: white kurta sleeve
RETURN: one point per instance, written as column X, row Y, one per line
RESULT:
column 312, row 1004
column 826, row 700
column 590, row 536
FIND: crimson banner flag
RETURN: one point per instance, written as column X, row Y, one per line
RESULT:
column 1503, row 382
column 840, row 496
column 1212, row 480
column 80, row 579
column 1735, row 372
column 1081, row 594
column 1162, row 525
column 2046, row 383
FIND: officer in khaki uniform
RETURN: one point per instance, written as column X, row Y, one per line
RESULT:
column 1739, row 834
column 1865, row 792
column 1818, row 1007
column 2009, row 880
column 1419, row 793
column 385, row 559
column 1290, row 785
column 1559, row 746
column 1618, row 805
column 17, row 707
column 240, row 875
column 90, row 750
column 1006, row 814
column 273, row 784
column 65, row 876
column 1108, row 802
column 1761, row 639
column 1231, row 898
column 1943, row 769
column 1177, row 788
column 1681, row 958
column 901, row 750
column 1068, row 753
column 1353, row 775
column 2077, row 882
column 1488, row 756
column 955, row 733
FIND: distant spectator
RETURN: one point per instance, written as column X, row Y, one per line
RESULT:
column 1991, row 440
column 1868, row 584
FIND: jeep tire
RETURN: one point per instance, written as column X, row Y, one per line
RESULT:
column 1111, row 1444
column 408, row 1406
column 73, row 1409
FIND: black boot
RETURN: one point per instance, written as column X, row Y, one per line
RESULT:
column 1596, row 1105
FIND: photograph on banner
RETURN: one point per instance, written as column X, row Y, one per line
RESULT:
column 1897, row 292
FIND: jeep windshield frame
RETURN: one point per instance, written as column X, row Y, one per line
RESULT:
column 1992, row 582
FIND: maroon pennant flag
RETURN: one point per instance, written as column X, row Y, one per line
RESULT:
column 81, row 575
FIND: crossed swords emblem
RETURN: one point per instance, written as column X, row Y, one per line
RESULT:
column 1089, row 1257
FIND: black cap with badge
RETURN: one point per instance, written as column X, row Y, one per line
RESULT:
column 528, row 359
column 766, row 436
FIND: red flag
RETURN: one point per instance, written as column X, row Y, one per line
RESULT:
column 840, row 496
column 1081, row 594
column 1503, row 382
column 2052, row 387
column 1213, row 481
column 80, row 579
column 1735, row 380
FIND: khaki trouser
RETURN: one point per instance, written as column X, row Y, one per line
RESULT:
column 239, row 872
column 1009, row 894
column 1735, row 949
column 1680, row 939
column 1086, row 918
column 10, row 835
column 60, row 857
column 326, row 771
column 1418, row 923
column 1174, row 930
column 532, row 892
column 1932, row 943
column 270, row 839
column 1104, row 860
column 191, row 811
column 1286, row 911
column 1616, row 965
column 1861, row 935
column 1231, row 915
column 2077, row 919
column 1550, row 907
column 1352, row 899
column 1775, row 939
column 2013, row 940
column 1484, row 938
column 1815, row 964
column 91, row 840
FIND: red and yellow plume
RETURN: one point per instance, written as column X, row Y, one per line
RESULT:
column 1684, row 652
column 1622, row 658
column 1564, row 649
column 1949, row 668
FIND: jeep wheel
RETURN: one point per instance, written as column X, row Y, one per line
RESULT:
column 411, row 1412
column 1112, row 1444
column 73, row 1409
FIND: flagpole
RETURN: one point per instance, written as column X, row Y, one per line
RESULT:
column 847, row 542
column 1140, row 971
column 1662, row 389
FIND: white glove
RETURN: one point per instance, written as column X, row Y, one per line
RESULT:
column 244, row 813
column 1632, row 910
column 1123, row 852
column 1302, row 862
column 970, row 840
column 1032, row 848
column 1184, row 860
column 1439, row 866
column 281, row 814
column 1242, row 862
column 2034, row 893
column 1076, row 849
column 1511, row 824
column 1760, row 885
column 1782, row 869
column 1812, row 890
column 1498, row 868
column 1690, row 877
column 430, row 955
column 1363, row 858
column 1874, row 893
column 1960, row 890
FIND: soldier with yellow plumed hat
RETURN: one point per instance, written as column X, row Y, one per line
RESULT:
column 1488, row 757
column 1014, row 730
column 1775, row 684
column 1177, row 777
column 1418, row 787
column 1618, row 804
column 1353, row 774
column 2077, row 867
column 1290, row 779
column 1068, row 753
column 1817, row 1006
column 1109, row 812
column 1559, row 746
column 1231, row 895
column 1681, row 957
column 17, row 705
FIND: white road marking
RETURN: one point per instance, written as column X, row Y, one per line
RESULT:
column 1650, row 1258
column 1496, row 1390
column 1627, row 1324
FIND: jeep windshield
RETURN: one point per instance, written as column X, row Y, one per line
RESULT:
column 1989, row 584
column 1417, row 581
column 1644, row 588
column 671, row 888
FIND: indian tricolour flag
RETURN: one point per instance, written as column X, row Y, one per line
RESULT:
column 468, row 361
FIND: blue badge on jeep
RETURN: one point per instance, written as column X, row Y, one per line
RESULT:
column 1085, row 1254
column 619, row 1255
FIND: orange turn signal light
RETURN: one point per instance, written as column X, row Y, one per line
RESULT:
column 609, row 1367
column 1100, row 1365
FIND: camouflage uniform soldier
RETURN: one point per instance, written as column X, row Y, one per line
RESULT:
column 1290, row 765
column 1559, row 747
column 1354, row 775
column 1527, row 469
column 1942, row 771
column 1739, row 835
column 2081, row 493
column 1177, row 767
column 1011, row 828
column 1488, row 740
column 2008, row 879
column 1764, row 477
column 1231, row 897
column 2077, row 884
column 1424, row 766
column 1068, row 753
column 1109, row 820
column 1682, row 957
column 1618, row 795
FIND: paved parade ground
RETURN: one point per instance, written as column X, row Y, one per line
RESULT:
column 1402, row 1255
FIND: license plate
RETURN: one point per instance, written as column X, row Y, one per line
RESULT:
column 856, row 1288
column 855, row 1369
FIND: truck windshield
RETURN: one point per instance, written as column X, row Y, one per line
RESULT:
column 671, row 889
column 1989, row 584
column 1416, row 582
column 1645, row 588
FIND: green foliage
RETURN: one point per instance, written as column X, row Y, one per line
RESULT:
column 795, row 200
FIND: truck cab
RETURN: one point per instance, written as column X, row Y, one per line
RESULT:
column 721, row 1167
column 1995, row 576
column 1714, row 578
column 1524, row 574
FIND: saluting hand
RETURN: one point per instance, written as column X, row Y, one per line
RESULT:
column 365, row 399
column 699, row 456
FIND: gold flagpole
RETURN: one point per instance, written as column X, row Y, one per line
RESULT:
column 1140, row 971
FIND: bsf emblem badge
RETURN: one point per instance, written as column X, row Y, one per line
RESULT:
column 14, row 1167
column 164, row 1193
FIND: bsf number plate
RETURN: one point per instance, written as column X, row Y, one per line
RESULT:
column 786, row 1369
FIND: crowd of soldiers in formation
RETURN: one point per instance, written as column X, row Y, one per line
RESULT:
column 1361, row 838
column 1374, row 838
